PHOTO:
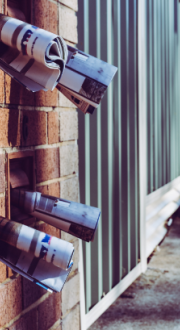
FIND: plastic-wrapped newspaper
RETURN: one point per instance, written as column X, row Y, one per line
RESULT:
column 74, row 218
column 85, row 79
column 43, row 259
column 41, row 60
column 34, row 57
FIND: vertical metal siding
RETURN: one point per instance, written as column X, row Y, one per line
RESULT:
column 163, row 118
column 162, row 93
column 108, row 152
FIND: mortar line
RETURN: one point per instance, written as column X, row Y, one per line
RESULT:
column 63, row 178
column 36, row 108
column 28, row 309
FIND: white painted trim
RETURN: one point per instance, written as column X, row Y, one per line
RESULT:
column 142, row 126
column 155, row 195
column 82, row 293
column 111, row 296
column 160, row 205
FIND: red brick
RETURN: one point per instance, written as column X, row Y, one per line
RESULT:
column 9, row 128
column 2, row 206
column 2, row 272
column 10, row 300
column 1, row 84
column 26, row 322
column 2, row 174
column 53, row 127
column 1, row 6
column 48, row 229
column 46, row 18
column 46, row 99
column 36, row 128
column 46, row 15
column 52, row 189
column 17, row 94
column 49, row 311
column 31, row 292
column 10, row 272
column 47, row 164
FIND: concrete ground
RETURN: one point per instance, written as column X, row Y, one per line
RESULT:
column 153, row 300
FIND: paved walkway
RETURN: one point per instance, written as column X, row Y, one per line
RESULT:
column 153, row 300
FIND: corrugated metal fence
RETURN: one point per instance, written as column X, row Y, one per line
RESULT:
column 134, row 35
column 108, row 146
column 163, row 84
column 163, row 117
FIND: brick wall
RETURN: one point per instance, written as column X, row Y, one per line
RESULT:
column 52, row 134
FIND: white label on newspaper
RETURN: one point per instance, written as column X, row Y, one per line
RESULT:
column 25, row 237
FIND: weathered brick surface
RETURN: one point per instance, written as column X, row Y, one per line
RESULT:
column 17, row 94
column 64, row 102
column 53, row 127
column 46, row 99
column 11, row 300
column 59, row 327
column 2, row 173
column 10, row 272
column 52, row 189
column 70, row 294
column 1, row 6
column 27, row 321
column 68, row 159
column 69, row 189
column 31, row 292
column 47, row 163
column 45, row 15
column 9, row 127
column 2, row 206
column 42, row 128
column 2, row 272
column 75, row 255
column 1, row 82
column 68, row 24
column 33, row 132
column 49, row 311
column 67, row 237
column 70, row 3
column 72, row 318
column 48, row 229
column 68, row 125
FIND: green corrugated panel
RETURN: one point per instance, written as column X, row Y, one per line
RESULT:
column 164, row 100
column 108, row 167
column 108, row 143
column 133, row 152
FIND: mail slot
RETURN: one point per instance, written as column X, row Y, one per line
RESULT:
column 20, row 9
column 20, row 173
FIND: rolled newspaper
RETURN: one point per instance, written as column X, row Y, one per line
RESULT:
column 85, row 79
column 75, row 218
column 33, row 56
column 41, row 245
